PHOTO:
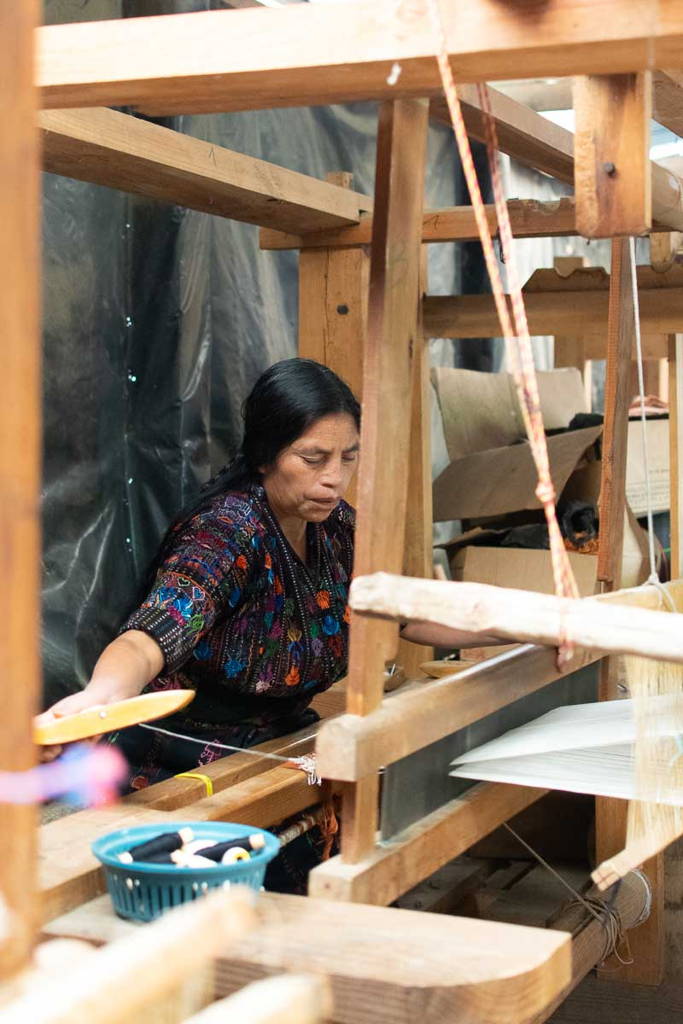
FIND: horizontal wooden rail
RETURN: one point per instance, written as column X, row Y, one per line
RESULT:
column 441, row 968
column 420, row 850
column 69, row 873
column 350, row 747
column 306, row 54
column 564, row 313
column 530, row 218
column 124, row 152
column 537, row 142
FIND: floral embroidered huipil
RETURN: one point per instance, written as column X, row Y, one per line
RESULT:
column 241, row 619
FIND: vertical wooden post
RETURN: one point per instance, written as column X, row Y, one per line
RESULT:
column 675, row 450
column 612, row 173
column 570, row 350
column 418, row 559
column 647, row 942
column 19, row 464
column 392, row 339
column 333, row 308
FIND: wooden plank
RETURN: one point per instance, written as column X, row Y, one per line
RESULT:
column 663, row 248
column 423, row 848
column 119, row 982
column 535, row 141
column 569, row 350
column 285, row 999
column 647, row 943
column 302, row 54
column 333, row 310
column 228, row 771
column 675, row 343
column 20, row 441
column 392, row 335
column 350, row 747
column 667, row 100
column 511, row 614
column 124, row 152
column 474, row 316
column 69, row 873
column 530, row 218
column 620, row 344
column 418, row 557
column 612, row 176
column 441, row 968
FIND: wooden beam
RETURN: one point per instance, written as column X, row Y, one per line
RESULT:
column 124, row 152
column 350, row 747
column 20, row 442
column 418, row 554
column 647, row 944
column 284, row 999
column 474, row 316
column 676, row 450
column 422, row 848
column 303, row 54
column 612, row 175
column 529, row 218
column 128, row 977
column 333, row 310
column 620, row 344
column 392, row 336
column 510, row 614
column 667, row 100
column 223, row 774
column 442, row 968
column 69, row 873
column 535, row 141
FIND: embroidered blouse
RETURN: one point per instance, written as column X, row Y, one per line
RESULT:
column 241, row 619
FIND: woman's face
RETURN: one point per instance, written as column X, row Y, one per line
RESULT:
column 309, row 477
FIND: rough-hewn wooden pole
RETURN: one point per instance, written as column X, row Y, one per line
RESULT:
column 19, row 463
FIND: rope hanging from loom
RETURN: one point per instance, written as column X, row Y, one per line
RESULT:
column 517, row 341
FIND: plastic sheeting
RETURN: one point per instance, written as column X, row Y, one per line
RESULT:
column 157, row 322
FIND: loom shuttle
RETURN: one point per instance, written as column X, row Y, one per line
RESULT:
column 109, row 717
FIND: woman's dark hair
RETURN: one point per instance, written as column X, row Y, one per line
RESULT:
column 284, row 402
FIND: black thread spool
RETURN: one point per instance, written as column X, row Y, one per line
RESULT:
column 166, row 843
column 251, row 844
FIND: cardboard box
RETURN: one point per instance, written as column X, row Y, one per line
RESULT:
column 480, row 410
column 657, row 439
column 520, row 568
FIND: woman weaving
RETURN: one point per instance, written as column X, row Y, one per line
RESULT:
column 247, row 603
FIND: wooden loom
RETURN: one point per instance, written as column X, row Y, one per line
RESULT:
column 86, row 66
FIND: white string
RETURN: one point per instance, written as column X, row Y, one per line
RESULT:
column 653, row 578
column 606, row 916
column 304, row 761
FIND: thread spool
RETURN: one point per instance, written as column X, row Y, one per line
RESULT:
column 252, row 843
column 232, row 855
column 191, row 860
column 166, row 843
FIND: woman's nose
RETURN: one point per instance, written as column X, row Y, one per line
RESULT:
column 332, row 477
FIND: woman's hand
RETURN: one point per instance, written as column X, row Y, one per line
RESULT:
column 70, row 705
column 123, row 670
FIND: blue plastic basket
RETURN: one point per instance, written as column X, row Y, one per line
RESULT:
column 144, row 891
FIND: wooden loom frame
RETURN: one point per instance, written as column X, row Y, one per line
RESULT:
column 495, row 45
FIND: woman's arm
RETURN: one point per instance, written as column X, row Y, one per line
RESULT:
column 123, row 669
column 431, row 634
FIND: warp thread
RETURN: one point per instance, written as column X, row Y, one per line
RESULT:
column 604, row 912
column 305, row 762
